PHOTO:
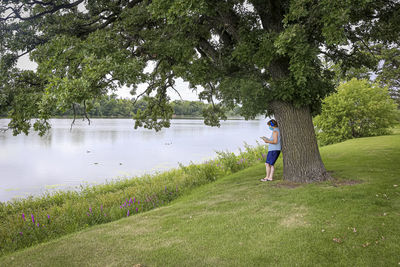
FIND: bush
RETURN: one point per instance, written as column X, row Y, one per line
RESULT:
column 357, row 109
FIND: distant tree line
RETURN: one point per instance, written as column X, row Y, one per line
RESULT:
column 114, row 107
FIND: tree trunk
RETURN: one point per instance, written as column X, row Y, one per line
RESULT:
column 301, row 158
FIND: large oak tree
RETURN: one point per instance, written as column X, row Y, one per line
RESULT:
column 269, row 56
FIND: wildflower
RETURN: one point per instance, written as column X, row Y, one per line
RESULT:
column 90, row 209
column 165, row 190
column 88, row 214
column 20, row 233
column 137, row 209
column 48, row 216
column 101, row 207
column 37, row 225
column 134, row 199
column 127, row 214
column 23, row 216
column 33, row 218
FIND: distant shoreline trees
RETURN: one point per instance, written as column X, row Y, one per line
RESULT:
column 110, row 106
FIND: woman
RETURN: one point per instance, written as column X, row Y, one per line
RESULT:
column 274, row 149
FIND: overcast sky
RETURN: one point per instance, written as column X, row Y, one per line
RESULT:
column 180, row 85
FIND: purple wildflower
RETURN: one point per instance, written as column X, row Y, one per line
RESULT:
column 23, row 216
column 101, row 207
column 137, row 209
column 33, row 218
column 134, row 199
column 37, row 225
column 88, row 214
column 127, row 214
column 90, row 209
column 165, row 190
column 20, row 233
column 48, row 216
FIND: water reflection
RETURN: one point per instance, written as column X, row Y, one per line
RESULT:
column 109, row 148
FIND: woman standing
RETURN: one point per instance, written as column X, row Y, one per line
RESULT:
column 274, row 149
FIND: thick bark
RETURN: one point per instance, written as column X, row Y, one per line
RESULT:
column 301, row 158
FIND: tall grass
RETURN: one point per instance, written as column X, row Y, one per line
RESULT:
column 33, row 220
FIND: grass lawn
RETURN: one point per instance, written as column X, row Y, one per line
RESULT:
column 239, row 221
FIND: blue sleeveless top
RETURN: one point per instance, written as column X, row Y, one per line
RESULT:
column 277, row 146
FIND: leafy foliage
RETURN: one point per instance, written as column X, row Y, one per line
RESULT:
column 358, row 109
column 240, row 52
column 389, row 72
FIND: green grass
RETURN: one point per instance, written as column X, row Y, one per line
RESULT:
column 239, row 221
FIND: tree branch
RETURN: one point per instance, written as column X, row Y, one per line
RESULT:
column 73, row 122
column 84, row 111
column 55, row 8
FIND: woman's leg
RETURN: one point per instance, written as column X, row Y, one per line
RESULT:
column 267, row 170
column 271, row 172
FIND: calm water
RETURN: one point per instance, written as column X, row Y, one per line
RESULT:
column 110, row 149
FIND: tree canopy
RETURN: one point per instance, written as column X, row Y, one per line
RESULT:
column 240, row 52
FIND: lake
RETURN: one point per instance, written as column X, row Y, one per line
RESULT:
column 110, row 149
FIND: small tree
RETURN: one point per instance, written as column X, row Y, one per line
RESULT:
column 357, row 109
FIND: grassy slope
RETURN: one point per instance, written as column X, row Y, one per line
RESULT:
column 239, row 221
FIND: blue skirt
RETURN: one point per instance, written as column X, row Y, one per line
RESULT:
column 272, row 156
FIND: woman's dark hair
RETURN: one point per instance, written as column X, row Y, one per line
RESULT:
column 273, row 123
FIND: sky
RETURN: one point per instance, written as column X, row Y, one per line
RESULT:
column 183, row 87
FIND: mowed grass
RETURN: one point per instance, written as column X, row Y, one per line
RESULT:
column 239, row 221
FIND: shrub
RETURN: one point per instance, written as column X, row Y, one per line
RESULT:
column 357, row 109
